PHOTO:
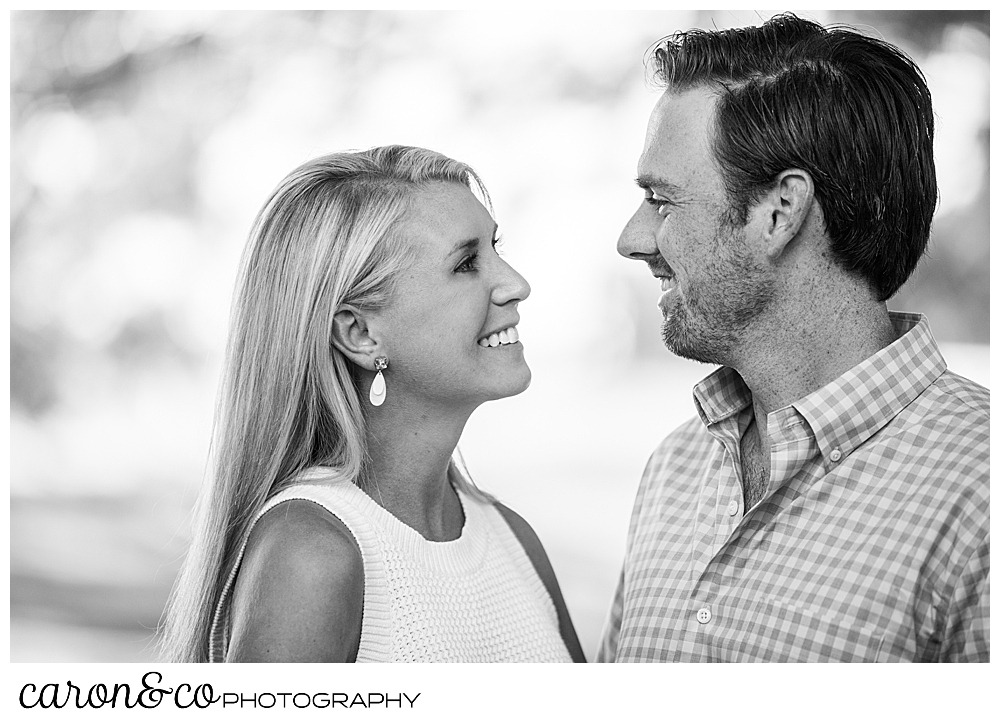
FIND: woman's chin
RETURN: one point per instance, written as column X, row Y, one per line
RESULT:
column 525, row 383
column 517, row 386
column 510, row 385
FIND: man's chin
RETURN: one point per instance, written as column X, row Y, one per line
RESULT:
column 681, row 342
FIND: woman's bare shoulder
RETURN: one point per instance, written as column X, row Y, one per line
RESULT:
column 303, row 530
column 300, row 590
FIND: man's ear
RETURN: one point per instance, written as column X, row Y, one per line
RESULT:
column 352, row 337
column 787, row 206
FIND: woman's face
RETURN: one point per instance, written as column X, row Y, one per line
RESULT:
column 450, row 331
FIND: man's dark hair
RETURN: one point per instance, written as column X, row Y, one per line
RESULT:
column 852, row 111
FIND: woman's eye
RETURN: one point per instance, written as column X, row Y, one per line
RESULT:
column 498, row 244
column 467, row 264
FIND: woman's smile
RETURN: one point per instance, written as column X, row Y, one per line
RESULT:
column 504, row 337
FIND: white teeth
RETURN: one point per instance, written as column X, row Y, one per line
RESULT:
column 506, row 336
column 666, row 284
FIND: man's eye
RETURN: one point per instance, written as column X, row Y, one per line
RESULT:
column 659, row 202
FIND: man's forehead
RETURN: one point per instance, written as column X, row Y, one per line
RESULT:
column 684, row 114
column 678, row 132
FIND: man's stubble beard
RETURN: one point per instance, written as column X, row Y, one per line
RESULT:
column 709, row 322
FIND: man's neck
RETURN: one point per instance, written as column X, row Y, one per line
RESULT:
column 797, row 359
column 800, row 355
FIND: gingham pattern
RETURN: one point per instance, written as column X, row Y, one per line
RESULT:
column 871, row 544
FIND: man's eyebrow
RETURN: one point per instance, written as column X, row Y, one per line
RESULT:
column 646, row 180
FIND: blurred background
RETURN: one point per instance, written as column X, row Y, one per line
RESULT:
column 142, row 144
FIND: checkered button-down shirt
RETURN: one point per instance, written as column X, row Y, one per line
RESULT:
column 870, row 544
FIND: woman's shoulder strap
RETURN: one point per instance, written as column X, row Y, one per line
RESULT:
column 540, row 561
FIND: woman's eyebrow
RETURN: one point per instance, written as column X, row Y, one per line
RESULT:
column 463, row 246
column 470, row 243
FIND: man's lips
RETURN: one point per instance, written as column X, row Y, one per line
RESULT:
column 662, row 272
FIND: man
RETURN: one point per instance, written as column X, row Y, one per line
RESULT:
column 830, row 501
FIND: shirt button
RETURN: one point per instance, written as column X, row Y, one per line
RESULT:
column 704, row 615
column 733, row 508
column 835, row 455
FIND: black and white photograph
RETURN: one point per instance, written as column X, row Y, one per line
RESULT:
column 495, row 336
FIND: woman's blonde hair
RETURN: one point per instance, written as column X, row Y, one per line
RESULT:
column 288, row 399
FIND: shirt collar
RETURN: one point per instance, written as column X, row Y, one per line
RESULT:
column 850, row 409
column 720, row 395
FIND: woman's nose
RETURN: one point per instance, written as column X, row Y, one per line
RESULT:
column 511, row 287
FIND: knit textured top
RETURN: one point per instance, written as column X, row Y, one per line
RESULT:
column 477, row 598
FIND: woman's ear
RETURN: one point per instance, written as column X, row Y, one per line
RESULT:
column 352, row 337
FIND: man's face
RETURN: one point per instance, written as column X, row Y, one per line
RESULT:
column 713, row 282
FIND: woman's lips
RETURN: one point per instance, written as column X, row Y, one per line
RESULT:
column 501, row 338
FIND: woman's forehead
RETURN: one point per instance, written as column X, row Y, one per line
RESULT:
column 441, row 215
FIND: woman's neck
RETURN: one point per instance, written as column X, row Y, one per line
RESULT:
column 408, row 472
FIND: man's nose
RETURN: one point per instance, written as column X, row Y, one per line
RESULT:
column 638, row 238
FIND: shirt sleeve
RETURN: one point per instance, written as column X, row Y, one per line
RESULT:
column 608, row 650
column 967, row 631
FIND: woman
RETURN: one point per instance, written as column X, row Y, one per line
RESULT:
column 372, row 316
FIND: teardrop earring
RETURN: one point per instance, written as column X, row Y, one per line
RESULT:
column 377, row 394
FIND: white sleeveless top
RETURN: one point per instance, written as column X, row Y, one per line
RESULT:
column 474, row 599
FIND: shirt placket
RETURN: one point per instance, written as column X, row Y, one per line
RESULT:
column 791, row 447
column 716, row 521
column 722, row 486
